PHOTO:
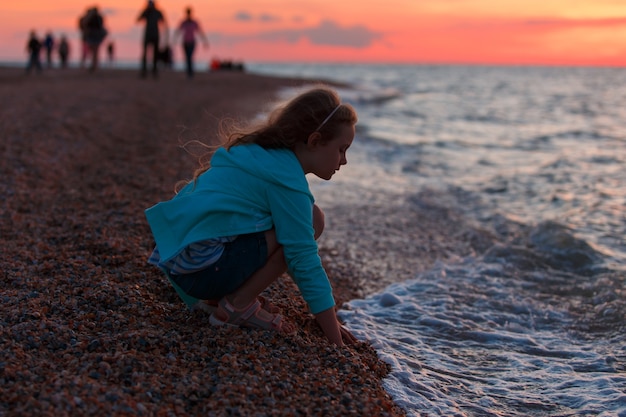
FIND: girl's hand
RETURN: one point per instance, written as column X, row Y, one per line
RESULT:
column 347, row 337
column 334, row 331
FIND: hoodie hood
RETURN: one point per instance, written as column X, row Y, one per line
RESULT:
column 276, row 166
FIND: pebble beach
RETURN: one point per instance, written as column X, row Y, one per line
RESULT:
column 89, row 328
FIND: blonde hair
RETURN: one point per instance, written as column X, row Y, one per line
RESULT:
column 315, row 110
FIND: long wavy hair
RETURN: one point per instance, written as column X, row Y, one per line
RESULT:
column 290, row 123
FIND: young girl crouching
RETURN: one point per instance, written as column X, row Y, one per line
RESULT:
column 249, row 217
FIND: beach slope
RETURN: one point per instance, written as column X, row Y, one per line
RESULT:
column 88, row 327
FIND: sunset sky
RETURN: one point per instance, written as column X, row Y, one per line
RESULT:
column 552, row 32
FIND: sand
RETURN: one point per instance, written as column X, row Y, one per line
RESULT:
column 89, row 328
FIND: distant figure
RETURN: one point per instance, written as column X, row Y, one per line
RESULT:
column 48, row 43
column 84, row 49
column 154, row 19
column 33, row 47
column 189, row 28
column 94, row 32
column 111, row 52
column 64, row 51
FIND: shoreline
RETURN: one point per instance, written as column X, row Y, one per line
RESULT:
column 84, row 154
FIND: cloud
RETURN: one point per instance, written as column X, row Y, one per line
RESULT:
column 327, row 33
column 244, row 16
column 609, row 21
column 265, row 17
column 109, row 11
column 539, row 24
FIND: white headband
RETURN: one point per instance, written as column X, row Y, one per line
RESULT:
column 327, row 118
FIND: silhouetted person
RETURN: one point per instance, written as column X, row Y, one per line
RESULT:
column 92, row 26
column 154, row 19
column 33, row 47
column 111, row 52
column 64, row 51
column 48, row 43
column 84, row 49
column 189, row 28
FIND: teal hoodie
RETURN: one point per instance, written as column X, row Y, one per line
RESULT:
column 248, row 189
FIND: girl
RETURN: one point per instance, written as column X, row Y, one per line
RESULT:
column 250, row 216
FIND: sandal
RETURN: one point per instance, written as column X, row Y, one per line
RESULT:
column 227, row 314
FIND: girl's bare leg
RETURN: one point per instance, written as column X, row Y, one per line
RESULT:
column 263, row 277
column 273, row 268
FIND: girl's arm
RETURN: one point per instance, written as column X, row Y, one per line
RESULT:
column 334, row 332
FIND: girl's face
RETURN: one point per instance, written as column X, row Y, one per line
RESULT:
column 327, row 158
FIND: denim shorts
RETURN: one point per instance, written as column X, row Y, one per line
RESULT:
column 241, row 258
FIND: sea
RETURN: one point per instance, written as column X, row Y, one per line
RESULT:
column 532, row 328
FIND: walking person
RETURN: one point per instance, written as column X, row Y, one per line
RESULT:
column 93, row 33
column 190, row 28
column 111, row 53
column 33, row 47
column 154, row 21
column 64, row 51
column 49, row 45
